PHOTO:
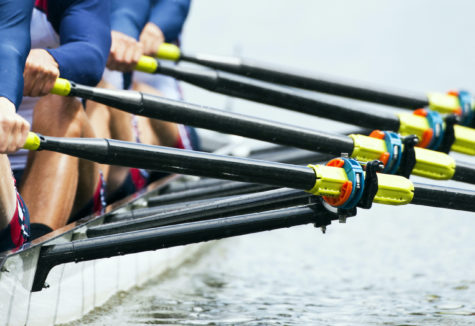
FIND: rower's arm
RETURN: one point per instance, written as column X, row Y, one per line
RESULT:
column 170, row 16
column 15, row 18
column 129, row 16
column 84, row 30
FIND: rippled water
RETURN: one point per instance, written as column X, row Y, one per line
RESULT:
column 387, row 266
column 405, row 267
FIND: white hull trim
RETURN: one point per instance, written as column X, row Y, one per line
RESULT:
column 77, row 288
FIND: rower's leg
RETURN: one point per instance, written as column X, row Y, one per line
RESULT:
column 99, row 118
column 50, row 179
column 154, row 131
column 108, row 122
column 89, row 181
column 7, row 192
column 14, row 219
column 122, row 129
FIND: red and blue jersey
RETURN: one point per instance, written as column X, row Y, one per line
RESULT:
column 17, row 232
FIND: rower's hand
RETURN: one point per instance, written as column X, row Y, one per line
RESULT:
column 151, row 38
column 13, row 128
column 125, row 52
column 40, row 74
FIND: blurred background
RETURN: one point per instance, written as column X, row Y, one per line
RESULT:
column 389, row 265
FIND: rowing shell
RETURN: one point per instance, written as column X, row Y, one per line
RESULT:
column 73, row 290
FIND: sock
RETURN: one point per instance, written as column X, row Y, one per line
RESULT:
column 38, row 230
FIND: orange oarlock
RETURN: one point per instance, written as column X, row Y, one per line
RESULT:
column 427, row 134
column 346, row 189
column 384, row 157
column 453, row 93
column 458, row 111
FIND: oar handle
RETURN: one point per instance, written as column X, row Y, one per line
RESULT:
column 61, row 87
column 147, row 64
column 32, row 142
column 168, row 51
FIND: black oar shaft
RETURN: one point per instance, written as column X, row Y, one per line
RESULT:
column 293, row 155
column 212, row 188
column 166, row 159
column 219, row 190
column 444, row 197
column 281, row 97
column 235, row 205
column 148, row 211
column 178, row 187
column 217, row 120
column 191, row 193
column 227, row 122
column 171, row 236
column 282, row 155
column 323, row 84
column 464, row 172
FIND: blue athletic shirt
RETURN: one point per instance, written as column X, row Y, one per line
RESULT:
column 169, row 16
column 15, row 16
column 83, row 27
column 130, row 16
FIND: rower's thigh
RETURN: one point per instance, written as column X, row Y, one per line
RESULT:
column 58, row 116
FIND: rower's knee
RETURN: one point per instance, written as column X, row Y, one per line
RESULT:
column 58, row 116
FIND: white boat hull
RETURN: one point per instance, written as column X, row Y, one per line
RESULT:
column 76, row 289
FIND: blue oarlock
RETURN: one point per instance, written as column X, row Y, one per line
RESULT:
column 355, row 174
column 436, row 123
column 466, row 101
column 394, row 147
